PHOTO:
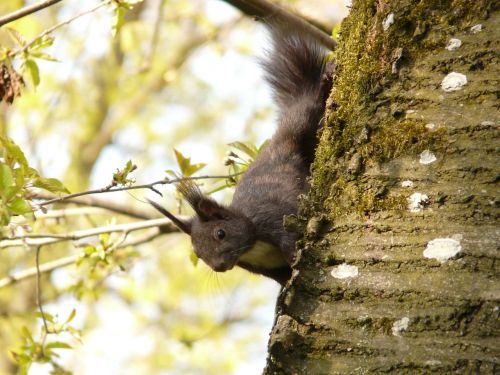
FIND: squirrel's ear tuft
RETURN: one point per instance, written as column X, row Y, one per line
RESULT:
column 191, row 192
column 206, row 208
column 183, row 225
column 209, row 209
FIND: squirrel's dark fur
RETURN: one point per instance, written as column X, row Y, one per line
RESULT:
column 249, row 232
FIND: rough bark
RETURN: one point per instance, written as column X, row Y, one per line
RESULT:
column 404, row 311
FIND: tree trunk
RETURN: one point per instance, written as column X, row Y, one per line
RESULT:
column 398, row 268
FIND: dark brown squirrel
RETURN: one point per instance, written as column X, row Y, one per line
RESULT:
column 249, row 233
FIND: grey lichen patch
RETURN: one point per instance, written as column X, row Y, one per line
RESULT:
column 417, row 202
column 442, row 249
column 453, row 44
column 476, row 28
column 400, row 326
column 453, row 81
column 407, row 184
column 344, row 271
column 427, row 157
column 388, row 21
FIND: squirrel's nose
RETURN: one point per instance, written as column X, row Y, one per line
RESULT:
column 221, row 266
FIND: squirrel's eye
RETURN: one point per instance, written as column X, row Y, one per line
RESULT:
column 220, row 234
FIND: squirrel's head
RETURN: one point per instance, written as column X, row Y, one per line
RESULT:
column 219, row 234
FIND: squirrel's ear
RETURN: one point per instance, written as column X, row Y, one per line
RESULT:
column 208, row 209
column 183, row 225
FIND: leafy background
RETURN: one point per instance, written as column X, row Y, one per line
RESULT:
column 111, row 86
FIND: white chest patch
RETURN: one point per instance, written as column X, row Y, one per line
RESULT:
column 264, row 255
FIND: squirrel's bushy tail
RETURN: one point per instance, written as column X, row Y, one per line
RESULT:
column 295, row 65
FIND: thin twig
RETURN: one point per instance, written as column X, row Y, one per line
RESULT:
column 111, row 189
column 47, row 239
column 154, row 39
column 39, row 289
column 66, row 261
column 27, row 10
column 68, row 212
column 264, row 11
column 94, row 202
column 57, row 26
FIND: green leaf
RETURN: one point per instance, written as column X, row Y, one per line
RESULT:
column 27, row 334
column 50, row 184
column 218, row 188
column 4, row 215
column 104, row 239
column 58, row 345
column 43, row 42
column 19, row 206
column 77, row 334
column 71, row 316
column 171, row 173
column 21, row 358
column 42, row 55
column 102, row 254
column 3, row 53
column 6, row 177
column 32, row 68
column 89, row 250
column 19, row 177
column 55, row 328
column 130, row 3
column 193, row 258
column 16, row 36
column 121, row 176
column 184, row 163
column 118, row 20
column 48, row 317
column 247, row 147
column 14, row 152
column 129, row 167
column 10, row 193
column 32, row 172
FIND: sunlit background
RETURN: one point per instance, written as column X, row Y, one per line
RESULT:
column 195, row 85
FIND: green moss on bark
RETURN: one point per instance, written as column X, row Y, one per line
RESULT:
column 387, row 91
column 358, row 131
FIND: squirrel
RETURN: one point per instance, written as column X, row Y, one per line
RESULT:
column 249, row 233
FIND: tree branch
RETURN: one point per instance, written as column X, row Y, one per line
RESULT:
column 55, row 27
column 263, row 10
column 154, row 38
column 39, row 293
column 30, row 272
column 110, row 188
column 66, row 261
column 67, row 212
column 47, row 239
column 29, row 9
column 91, row 201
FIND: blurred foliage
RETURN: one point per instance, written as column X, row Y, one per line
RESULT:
column 91, row 102
column 16, row 177
column 42, row 350
column 129, row 81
